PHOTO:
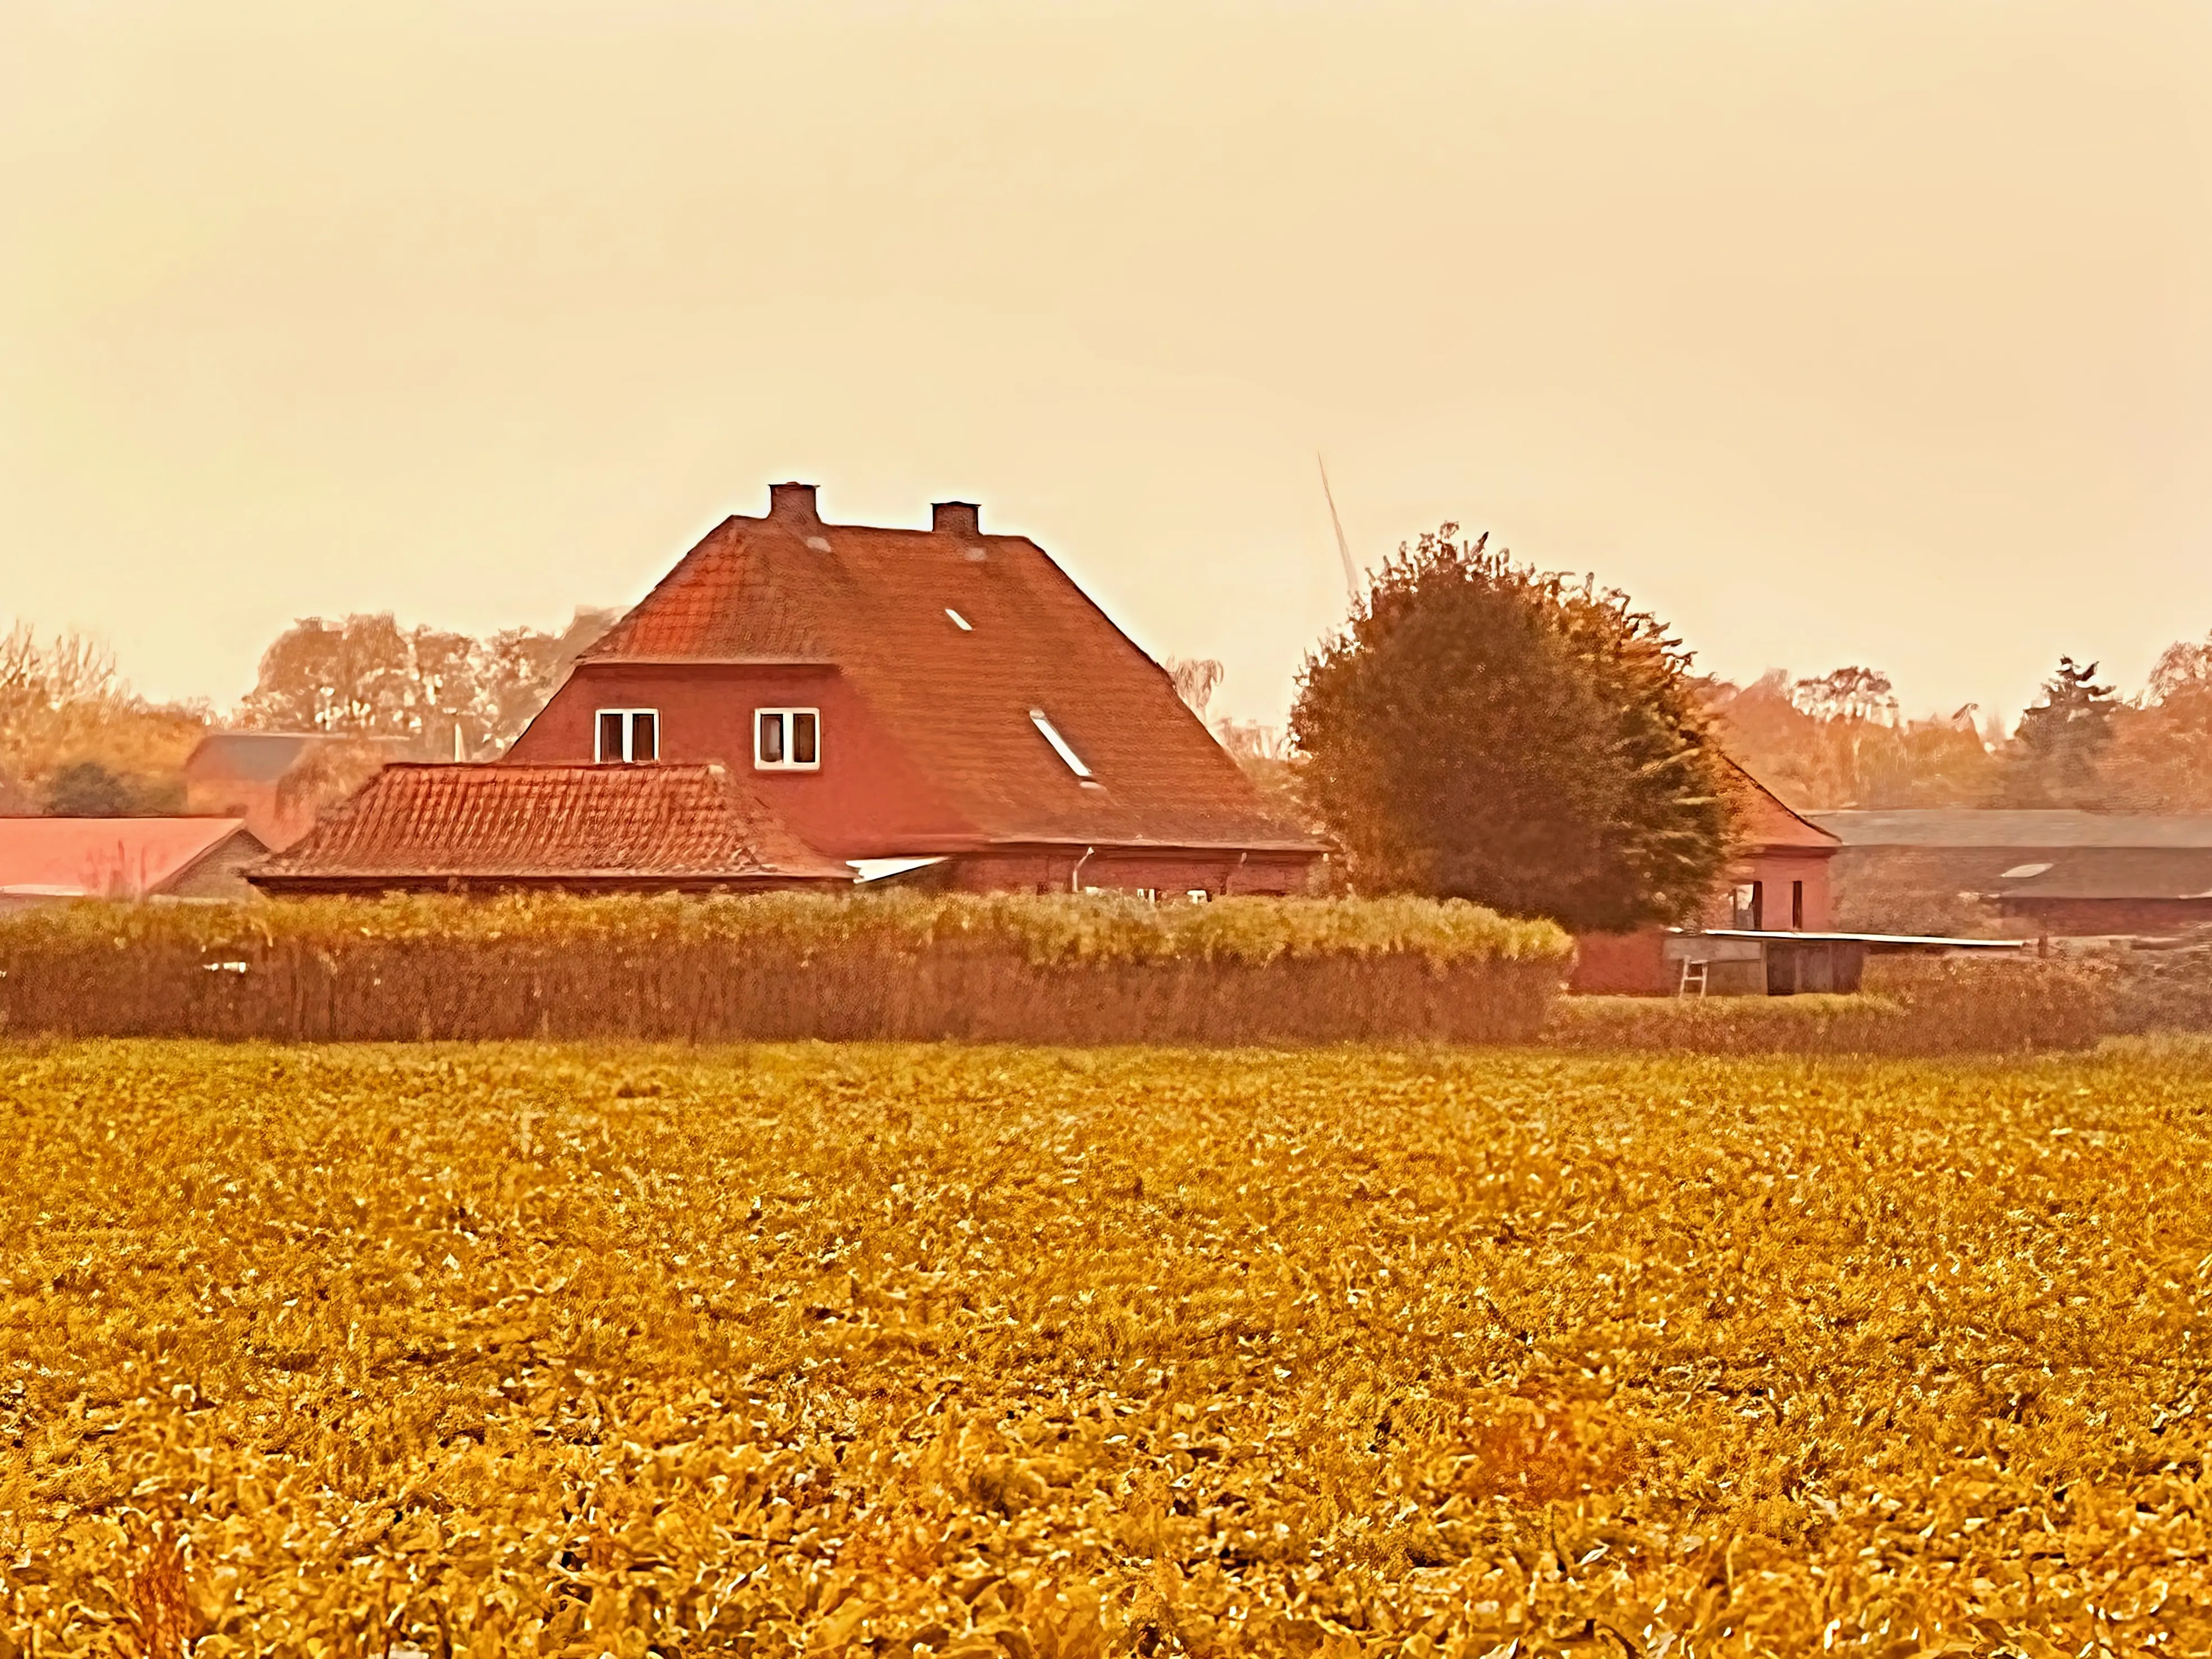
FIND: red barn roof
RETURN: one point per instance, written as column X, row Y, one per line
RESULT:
column 106, row 858
column 1763, row 821
column 416, row 825
column 959, row 642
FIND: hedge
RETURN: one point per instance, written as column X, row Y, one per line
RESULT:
column 1089, row 969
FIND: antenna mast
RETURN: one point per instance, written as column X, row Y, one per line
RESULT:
column 1343, row 548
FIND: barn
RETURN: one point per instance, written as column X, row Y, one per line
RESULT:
column 2061, row 872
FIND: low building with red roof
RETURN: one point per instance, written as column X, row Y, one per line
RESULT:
column 1777, row 883
column 48, row 859
column 947, row 698
column 496, row 827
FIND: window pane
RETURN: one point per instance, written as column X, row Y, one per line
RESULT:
column 1741, row 910
column 803, row 750
column 771, row 739
column 645, row 735
column 611, row 737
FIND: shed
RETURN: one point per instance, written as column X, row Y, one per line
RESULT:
column 44, row 859
column 1748, row 962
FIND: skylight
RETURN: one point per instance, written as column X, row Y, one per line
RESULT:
column 959, row 621
column 1060, row 746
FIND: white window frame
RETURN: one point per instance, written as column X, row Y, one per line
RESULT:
column 1061, row 746
column 761, row 763
column 630, row 736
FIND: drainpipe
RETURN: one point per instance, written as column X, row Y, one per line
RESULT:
column 1228, row 881
column 1075, row 876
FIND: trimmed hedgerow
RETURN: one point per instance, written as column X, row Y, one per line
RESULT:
column 1101, row 968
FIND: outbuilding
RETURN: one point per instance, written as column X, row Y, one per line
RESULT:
column 44, row 859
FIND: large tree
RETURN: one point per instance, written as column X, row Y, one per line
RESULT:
column 1836, row 739
column 444, row 695
column 1483, row 730
column 2055, row 757
column 2160, row 758
column 63, row 710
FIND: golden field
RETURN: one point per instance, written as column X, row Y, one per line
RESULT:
column 599, row 1349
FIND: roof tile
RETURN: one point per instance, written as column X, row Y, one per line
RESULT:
column 415, row 821
column 875, row 602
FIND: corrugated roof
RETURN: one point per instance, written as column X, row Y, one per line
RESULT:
column 422, row 822
column 876, row 602
column 105, row 858
column 2039, row 831
column 2117, row 873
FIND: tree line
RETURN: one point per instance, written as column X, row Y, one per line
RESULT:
column 1479, row 728
column 1838, row 741
column 76, row 740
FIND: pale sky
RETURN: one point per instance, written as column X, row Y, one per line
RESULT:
column 1836, row 333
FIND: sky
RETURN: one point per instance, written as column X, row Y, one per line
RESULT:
column 1867, row 333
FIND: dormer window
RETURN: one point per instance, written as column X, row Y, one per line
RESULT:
column 1062, row 747
column 627, row 737
column 788, row 740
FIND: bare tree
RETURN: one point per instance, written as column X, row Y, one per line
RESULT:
column 63, row 710
column 1196, row 679
column 441, row 694
column 1848, row 693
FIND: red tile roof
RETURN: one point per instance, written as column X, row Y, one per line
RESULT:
column 874, row 602
column 1764, row 821
column 418, row 824
column 105, row 858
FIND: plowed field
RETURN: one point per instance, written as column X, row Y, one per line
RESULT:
column 996, row 1351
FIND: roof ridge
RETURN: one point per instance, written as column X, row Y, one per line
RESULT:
column 1768, row 794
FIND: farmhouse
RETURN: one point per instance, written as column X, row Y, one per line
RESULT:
column 942, row 706
column 922, row 697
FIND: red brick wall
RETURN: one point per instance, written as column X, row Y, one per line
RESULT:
column 1775, row 870
column 868, row 800
column 1622, row 964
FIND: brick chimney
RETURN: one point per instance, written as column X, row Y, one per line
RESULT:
column 956, row 518
column 793, row 502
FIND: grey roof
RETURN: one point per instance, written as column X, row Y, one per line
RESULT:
column 249, row 756
column 2117, row 873
column 2053, row 830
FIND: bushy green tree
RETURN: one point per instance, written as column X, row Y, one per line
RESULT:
column 1483, row 730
